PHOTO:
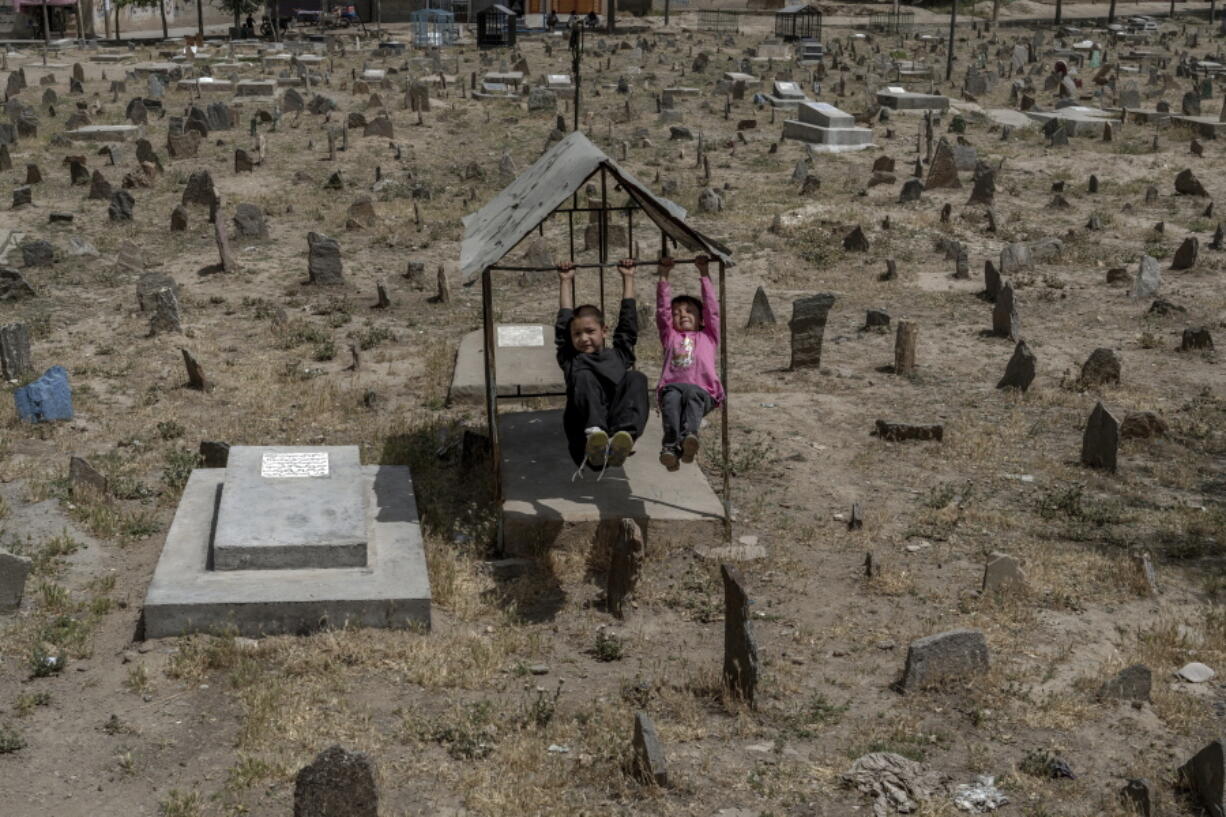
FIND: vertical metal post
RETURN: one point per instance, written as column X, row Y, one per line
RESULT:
column 630, row 234
column 603, row 231
column 723, row 414
column 953, row 21
column 570, row 218
column 491, row 387
column 47, row 28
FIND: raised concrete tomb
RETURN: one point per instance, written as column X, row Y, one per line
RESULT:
column 289, row 539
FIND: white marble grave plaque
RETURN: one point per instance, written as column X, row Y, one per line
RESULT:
column 294, row 464
column 523, row 336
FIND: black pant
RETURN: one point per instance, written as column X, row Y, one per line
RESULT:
column 596, row 402
column 682, row 407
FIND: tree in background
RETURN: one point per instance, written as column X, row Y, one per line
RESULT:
column 240, row 8
column 160, row 5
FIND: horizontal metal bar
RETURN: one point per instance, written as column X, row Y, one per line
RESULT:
column 596, row 209
column 533, row 394
column 596, row 265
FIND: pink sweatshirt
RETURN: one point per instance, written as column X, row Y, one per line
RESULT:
column 689, row 357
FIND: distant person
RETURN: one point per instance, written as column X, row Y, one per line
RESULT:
column 591, row 20
column 249, row 27
column 606, row 399
column 551, row 22
column 689, row 385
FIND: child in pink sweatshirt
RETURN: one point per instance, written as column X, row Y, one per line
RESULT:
column 689, row 380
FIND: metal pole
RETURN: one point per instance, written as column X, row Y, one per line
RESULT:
column 723, row 419
column 47, row 25
column 603, row 232
column 953, row 21
column 491, row 387
column 666, row 10
column 576, row 57
column 1060, row 10
column 1111, row 13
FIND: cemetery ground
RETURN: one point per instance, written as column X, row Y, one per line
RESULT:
column 520, row 700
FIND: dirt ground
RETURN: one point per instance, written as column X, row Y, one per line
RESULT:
column 520, row 700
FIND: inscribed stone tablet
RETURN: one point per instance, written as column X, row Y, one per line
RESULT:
column 521, row 335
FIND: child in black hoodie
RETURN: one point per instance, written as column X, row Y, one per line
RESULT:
column 606, row 399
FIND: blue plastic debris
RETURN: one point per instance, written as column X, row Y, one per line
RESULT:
column 47, row 398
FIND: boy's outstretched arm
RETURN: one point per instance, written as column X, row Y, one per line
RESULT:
column 626, row 333
column 626, row 268
column 566, row 295
column 566, row 307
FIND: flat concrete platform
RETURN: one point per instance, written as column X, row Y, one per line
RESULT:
column 1206, row 127
column 106, row 133
column 544, row 508
column 525, row 364
column 828, row 140
column 900, row 100
column 1077, row 120
column 392, row 590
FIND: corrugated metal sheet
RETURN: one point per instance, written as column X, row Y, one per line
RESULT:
column 495, row 229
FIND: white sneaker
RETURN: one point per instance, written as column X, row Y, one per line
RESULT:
column 597, row 448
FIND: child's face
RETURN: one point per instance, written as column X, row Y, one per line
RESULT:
column 685, row 317
column 587, row 334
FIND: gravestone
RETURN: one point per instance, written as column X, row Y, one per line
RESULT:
column 943, row 172
column 99, row 187
column 760, row 312
column 912, row 189
column 955, row 655
column 37, row 253
column 324, row 260
column 214, row 454
column 1185, row 256
column 991, row 280
column 624, row 567
column 164, row 305
column 47, row 399
column 337, row 784
column 228, row 264
column 1101, row 367
column 1101, row 441
column 1196, row 338
column 195, row 372
column 740, row 650
column 83, row 477
column 808, row 325
column 178, row 219
column 243, row 163
column 200, row 190
column 1005, row 321
column 13, row 573
column 249, row 222
column 1003, row 573
column 1205, row 775
column 1019, row 373
column 15, row 359
column 1186, row 184
column 984, row 190
column 856, row 241
column 1148, row 278
column 648, row 763
column 13, row 286
column 904, row 348
column 120, row 208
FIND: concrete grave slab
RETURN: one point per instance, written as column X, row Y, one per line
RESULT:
column 544, row 508
column 525, row 363
column 1206, row 127
column 206, row 85
column 290, row 507
column 898, row 99
column 392, row 590
column 256, row 87
column 827, row 128
column 1077, row 120
column 106, row 133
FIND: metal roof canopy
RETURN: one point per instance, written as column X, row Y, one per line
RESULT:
column 496, row 229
